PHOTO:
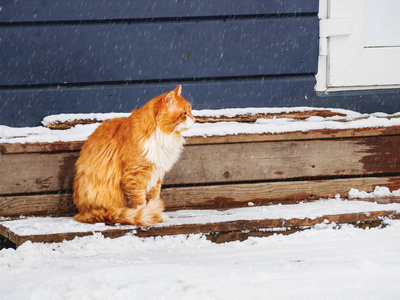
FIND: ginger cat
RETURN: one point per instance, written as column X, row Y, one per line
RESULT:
column 122, row 164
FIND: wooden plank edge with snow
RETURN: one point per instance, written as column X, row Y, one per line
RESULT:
column 55, row 122
column 218, row 226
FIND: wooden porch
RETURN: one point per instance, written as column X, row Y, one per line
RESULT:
column 219, row 173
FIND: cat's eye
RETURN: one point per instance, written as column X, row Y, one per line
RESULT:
column 184, row 113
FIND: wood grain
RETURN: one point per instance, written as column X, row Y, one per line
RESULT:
column 271, row 193
column 241, row 118
column 37, row 205
column 216, row 196
column 36, row 172
column 7, row 148
column 223, row 163
column 286, row 160
column 231, row 226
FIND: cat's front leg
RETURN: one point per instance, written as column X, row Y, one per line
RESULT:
column 134, row 187
column 154, row 192
column 154, row 195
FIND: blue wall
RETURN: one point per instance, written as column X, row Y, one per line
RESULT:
column 80, row 56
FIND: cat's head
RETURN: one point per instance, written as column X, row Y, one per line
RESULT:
column 176, row 113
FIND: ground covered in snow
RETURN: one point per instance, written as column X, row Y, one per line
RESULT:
column 320, row 263
column 325, row 262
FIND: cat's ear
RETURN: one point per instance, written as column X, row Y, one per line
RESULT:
column 178, row 90
column 170, row 101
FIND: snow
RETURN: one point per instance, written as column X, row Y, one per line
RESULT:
column 273, row 126
column 379, row 191
column 17, row 135
column 227, row 112
column 326, row 261
column 320, row 263
column 311, row 210
column 89, row 116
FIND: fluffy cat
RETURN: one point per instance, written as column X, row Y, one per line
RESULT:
column 122, row 164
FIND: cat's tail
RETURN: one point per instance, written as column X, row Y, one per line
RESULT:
column 145, row 216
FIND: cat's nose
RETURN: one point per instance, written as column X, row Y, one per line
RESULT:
column 193, row 119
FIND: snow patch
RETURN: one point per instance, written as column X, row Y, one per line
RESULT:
column 379, row 192
column 311, row 210
column 353, row 120
column 340, row 263
column 89, row 116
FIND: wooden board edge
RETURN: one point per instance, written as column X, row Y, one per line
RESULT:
column 10, row 235
column 272, row 193
column 320, row 134
column 217, row 196
column 230, row 226
column 242, row 118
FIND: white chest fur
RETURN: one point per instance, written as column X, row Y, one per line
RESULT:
column 162, row 150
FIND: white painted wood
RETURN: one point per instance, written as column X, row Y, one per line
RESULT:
column 351, row 63
column 382, row 23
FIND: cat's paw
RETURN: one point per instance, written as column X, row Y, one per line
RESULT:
column 163, row 217
column 159, row 218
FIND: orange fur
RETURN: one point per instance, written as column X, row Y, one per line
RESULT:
column 122, row 164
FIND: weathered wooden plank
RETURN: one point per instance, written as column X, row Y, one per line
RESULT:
column 269, row 193
column 218, row 196
column 223, row 163
column 286, row 159
column 227, row 139
column 230, row 226
column 90, row 53
column 77, row 10
column 37, row 205
column 296, row 136
column 36, row 172
column 241, row 118
column 40, row 147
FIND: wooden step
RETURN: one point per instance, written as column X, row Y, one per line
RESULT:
column 36, row 179
column 219, row 172
column 204, row 118
column 217, row 225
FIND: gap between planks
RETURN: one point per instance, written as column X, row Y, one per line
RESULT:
column 215, row 196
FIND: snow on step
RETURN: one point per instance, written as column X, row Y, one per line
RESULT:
column 351, row 120
column 312, row 210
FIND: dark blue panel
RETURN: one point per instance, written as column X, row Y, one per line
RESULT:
column 76, row 10
column 157, row 50
column 27, row 107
